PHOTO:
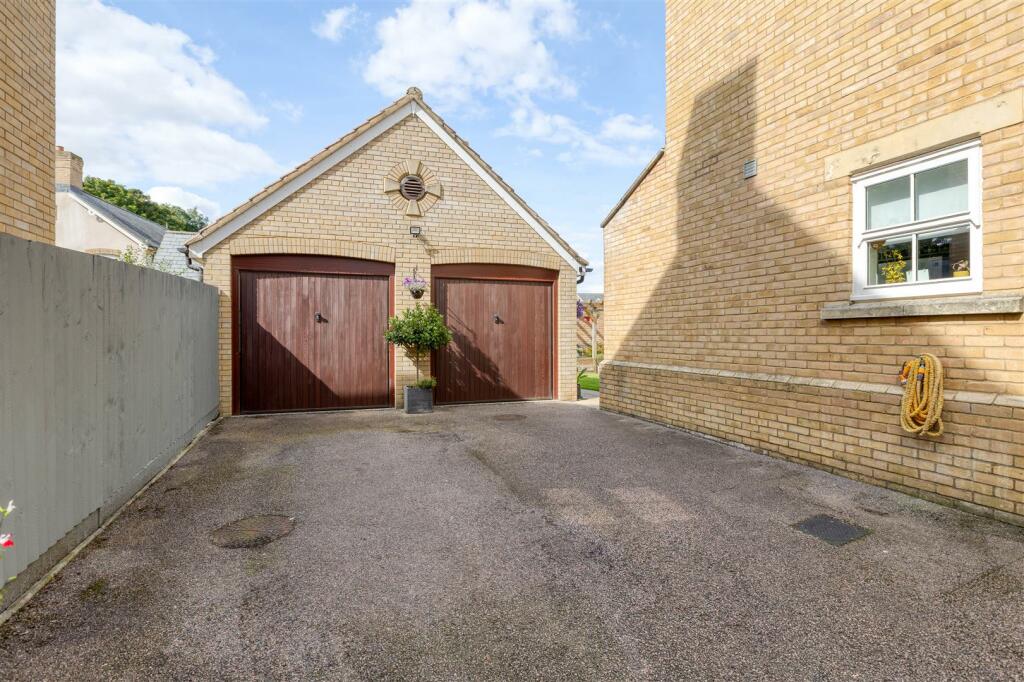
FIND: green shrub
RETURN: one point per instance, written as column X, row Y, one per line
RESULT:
column 419, row 331
column 429, row 382
column 589, row 381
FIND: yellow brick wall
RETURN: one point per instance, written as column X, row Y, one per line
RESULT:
column 715, row 284
column 27, row 119
column 344, row 212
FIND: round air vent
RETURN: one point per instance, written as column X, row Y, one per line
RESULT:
column 412, row 187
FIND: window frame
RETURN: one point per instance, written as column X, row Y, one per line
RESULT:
column 862, row 236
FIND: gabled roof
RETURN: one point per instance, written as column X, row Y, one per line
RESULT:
column 136, row 227
column 411, row 104
column 169, row 257
column 632, row 188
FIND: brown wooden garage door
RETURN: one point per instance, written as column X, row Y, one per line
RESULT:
column 503, row 343
column 309, row 333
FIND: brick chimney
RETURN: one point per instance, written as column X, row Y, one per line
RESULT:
column 69, row 168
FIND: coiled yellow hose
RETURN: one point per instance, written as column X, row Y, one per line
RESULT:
column 921, row 407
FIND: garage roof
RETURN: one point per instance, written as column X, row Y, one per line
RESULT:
column 411, row 104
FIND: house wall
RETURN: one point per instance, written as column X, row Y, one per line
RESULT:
column 344, row 212
column 27, row 118
column 81, row 230
column 106, row 371
column 715, row 285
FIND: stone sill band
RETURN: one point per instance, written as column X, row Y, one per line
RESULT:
column 988, row 304
column 977, row 119
column 891, row 389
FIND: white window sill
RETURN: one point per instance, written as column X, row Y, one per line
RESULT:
column 927, row 291
column 984, row 304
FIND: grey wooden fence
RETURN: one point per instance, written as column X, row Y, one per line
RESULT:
column 106, row 371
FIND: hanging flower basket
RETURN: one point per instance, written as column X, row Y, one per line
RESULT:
column 414, row 285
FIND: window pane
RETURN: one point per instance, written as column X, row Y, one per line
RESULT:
column 941, row 191
column 889, row 261
column 888, row 203
column 944, row 254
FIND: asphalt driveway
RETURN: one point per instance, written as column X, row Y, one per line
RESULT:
column 537, row 540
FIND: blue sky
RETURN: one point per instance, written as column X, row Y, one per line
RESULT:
column 204, row 103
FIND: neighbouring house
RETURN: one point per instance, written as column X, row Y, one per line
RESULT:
column 27, row 118
column 841, row 189
column 170, row 255
column 311, row 267
column 90, row 224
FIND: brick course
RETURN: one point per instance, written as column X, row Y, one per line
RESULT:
column 345, row 212
column 27, row 118
column 709, row 274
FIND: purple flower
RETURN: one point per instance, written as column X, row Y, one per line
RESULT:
column 414, row 283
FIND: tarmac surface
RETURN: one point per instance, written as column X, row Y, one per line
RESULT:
column 519, row 541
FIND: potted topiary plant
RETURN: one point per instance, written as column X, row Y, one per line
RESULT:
column 419, row 331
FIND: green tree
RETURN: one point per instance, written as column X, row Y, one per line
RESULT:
column 138, row 202
column 419, row 330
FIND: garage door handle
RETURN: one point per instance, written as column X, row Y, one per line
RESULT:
column 497, row 320
column 318, row 317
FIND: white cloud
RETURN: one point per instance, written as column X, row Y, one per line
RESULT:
column 530, row 122
column 335, row 22
column 141, row 101
column 620, row 39
column 185, row 199
column 461, row 51
column 627, row 127
column 456, row 49
column 293, row 112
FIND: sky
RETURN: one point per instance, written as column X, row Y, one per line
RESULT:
column 205, row 103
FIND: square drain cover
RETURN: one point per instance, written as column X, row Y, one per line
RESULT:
column 831, row 530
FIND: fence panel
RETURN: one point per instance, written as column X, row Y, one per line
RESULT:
column 106, row 371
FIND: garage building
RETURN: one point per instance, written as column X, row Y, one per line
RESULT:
column 310, row 268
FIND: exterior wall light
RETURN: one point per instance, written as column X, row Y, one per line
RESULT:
column 415, row 230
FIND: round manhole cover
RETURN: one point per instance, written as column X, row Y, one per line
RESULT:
column 252, row 531
column 509, row 417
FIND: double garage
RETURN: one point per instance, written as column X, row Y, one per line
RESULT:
column 309, row 333
column 312, row 266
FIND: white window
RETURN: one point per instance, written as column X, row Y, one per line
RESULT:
column 917, row 226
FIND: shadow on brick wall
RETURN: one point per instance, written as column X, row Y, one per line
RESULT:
column 734, row 259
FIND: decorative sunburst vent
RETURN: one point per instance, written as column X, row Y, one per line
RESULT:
column 412, row 188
